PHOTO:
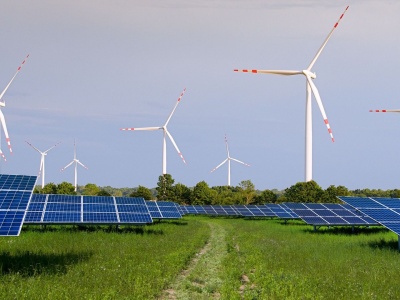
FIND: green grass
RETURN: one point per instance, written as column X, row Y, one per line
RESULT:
column 69, row 264
column 201, row 258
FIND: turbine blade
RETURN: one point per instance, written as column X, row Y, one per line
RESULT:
column 219, row 165
column 175, row 145
column 8, row 85
column 141, row 128
column 177, row 102
column 240, row 162
column 275, row 72
column 320, row 105
column 227, row 147
column 385, row 110
column 326, row 41
column 52, row 147
column 2, row 154
column 67, row 165
column 82, row 165
column 3, row 123
column 33, row 147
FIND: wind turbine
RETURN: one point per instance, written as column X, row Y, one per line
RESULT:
column 310, row 87
column 76, row 161
column 43, row 154
column 3, row 104
column 228, row 159
column 165, row 133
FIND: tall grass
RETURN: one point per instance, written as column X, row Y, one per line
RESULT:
column 271, row 260
column 247, row 259
column 132, row 263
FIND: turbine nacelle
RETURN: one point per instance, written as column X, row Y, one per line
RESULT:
column 310, row 74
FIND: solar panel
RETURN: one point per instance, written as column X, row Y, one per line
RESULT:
column 281, row 211
column 382, row 210
column 71, row 209
column 163, row 210
column 329, row 214
column 15, row 193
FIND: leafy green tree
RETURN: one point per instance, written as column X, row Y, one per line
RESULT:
column 91, row 189
column 165, row 187
column 202, row 194
column 65, row 188
column 332, row 192
column 266, row 196
column 50, row 188
column 142, row 192
column 103, row 193
column 248, row 191
column 182, row 194
column 305, row 192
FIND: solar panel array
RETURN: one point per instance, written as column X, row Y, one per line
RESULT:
column 329, row 214
column 70, row 209
column 267, row 210
column 163, row 210
column 385, row 211
column 15, row 192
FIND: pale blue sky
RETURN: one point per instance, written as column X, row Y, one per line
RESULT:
column 98, row 66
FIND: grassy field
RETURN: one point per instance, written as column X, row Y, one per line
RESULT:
column 201, row 258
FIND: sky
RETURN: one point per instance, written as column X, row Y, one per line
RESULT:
column 98, row 66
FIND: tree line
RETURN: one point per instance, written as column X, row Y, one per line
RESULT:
column 202, row 194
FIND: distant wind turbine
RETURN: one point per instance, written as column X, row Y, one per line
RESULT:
column 165, row 133
column 43, row 154
column 228, row 159
column 76, row 161
column 3, row 104
column 309, row 88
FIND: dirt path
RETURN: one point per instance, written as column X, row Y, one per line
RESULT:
column 201, row 278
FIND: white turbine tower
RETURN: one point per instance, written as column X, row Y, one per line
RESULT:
column 165, row 133
column 228, row 159
column 43, row 154
column 310, row 87
column 76, row 162
column 3, row 104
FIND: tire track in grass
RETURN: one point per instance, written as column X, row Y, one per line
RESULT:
column 200, row 280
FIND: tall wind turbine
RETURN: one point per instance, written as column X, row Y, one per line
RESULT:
column 228, row 159
column 310, row 87
column 43, row 154
column 165, row 133
column 3, row 104
column 76, row 162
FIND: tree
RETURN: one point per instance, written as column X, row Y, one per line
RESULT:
column 332, row 192
column 49, row 188
column 203, row 194
column 142, row 192
column 91, row 189
column 248, row 191
column 305, row 192
column 103, row 193
column 65, row 188
column 266, row 196
column 182, row 194
column 165, row 187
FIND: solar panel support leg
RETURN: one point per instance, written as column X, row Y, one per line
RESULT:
column 398, row 242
